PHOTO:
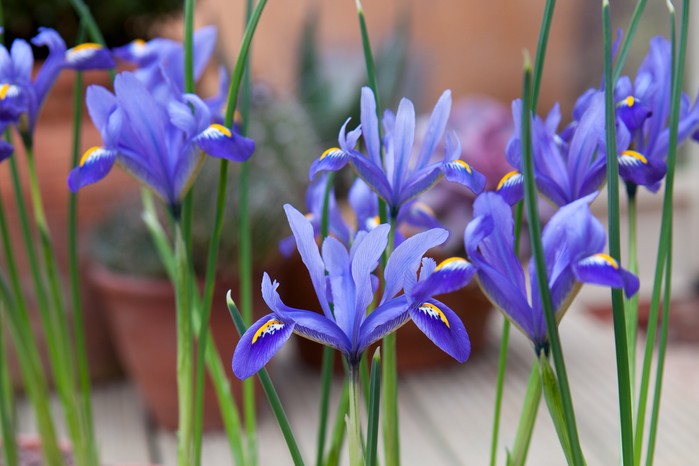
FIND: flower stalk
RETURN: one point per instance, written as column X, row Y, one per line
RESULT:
column 664, row 246
column 538, row 254
column 185, row 349
column 354, row 421
column 620, row 338
column 270, row 391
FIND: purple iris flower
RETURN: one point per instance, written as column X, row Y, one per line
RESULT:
column 345, row 286
column 400, row 177
column 21, row 97
column 160, row 142
column 573, row 241
column 568, row 165
column 160, row 65
column 644, row 107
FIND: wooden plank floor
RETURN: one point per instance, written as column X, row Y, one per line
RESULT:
column 446, row 414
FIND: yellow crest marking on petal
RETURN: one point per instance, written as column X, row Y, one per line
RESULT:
column 636, row 155
column 506, row 178
column 608, row 259
column 4, row 90
column 309, row 216
column 630, row 101
column 222, row 129
column 332, row 149
column 140, row 43
column 434, row 311
column 85, row 46
column 270, row 326
column 451, row 260
column 87, row 154
column 464, row 164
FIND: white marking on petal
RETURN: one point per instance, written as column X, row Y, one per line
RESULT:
column 268, row 328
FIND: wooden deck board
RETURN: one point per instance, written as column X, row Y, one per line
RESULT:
column 446, row 414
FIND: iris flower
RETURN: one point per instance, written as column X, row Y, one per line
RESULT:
column 21, row 97
column 399, row 176
column 573, row 242
column 162, row 59
column 345, row 286
column 160, row 65
column 568, row 165
column 159, row 142
column 644, row 107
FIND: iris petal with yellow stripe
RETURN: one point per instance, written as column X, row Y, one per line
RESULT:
column 219, row 141
column 259, row 343
column 641, row 170
column 441, row 325
column 458, row 171
column 601, row 269
column 511, row 187
column 94, row 165
column 88, row 56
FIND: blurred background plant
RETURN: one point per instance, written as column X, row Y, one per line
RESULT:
column 120, row 22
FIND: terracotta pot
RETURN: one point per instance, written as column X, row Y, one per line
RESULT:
column 684, row 317
column 141, row 313
column 415, row 350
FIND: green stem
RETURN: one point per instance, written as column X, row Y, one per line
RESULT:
column 74, row 271
column 660, row 369
column 27, row 351
column 530, row 408
column 368, row 58
column 354, row 426
column 620, row 339
column 502, row 363
column 230, row 412
column 270, row 391
column 391, row 431
column 631, row 304
column 664, row 245
column 184, row 350
column 541, row 273
column 541, row 51
column 337, row 437
column 245, row 254
column 628, row 39
column 65, row 376
column 9, row 445
column 374, row 409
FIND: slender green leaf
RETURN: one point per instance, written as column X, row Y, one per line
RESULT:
column 270, row 391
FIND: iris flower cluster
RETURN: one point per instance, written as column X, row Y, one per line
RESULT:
column 389, row 167
column 154, row 131
column 21, row 96
column 571, row 164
